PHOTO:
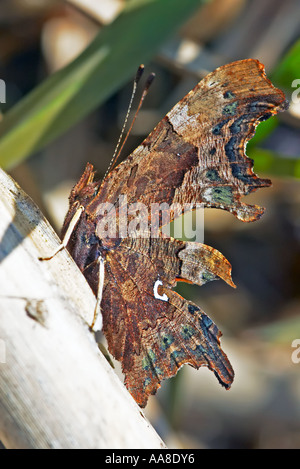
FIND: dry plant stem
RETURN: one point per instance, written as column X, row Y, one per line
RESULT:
column 56, row 388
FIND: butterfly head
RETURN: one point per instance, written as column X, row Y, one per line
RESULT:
column 85, row 189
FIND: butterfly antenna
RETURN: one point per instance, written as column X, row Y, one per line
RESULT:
column 119, row 149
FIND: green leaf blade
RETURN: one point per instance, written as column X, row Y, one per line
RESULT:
column 107, row 63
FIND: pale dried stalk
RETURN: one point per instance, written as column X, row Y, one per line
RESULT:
column 56, row 388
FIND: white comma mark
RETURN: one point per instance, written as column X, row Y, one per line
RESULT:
column 156, row 294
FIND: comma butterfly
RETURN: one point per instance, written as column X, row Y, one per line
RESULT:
column 194, row 156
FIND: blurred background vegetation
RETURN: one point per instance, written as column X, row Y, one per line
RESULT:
column 68, row 69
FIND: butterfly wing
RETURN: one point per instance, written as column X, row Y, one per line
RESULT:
column 151, row 329
column 196, row 153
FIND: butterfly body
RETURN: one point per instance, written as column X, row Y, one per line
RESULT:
column 194, row 156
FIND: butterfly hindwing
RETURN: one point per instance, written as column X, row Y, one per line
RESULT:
column 190, row 337
column 149, row 327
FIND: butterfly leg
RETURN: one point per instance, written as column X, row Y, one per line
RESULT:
column 97, row 320
column 67, row 235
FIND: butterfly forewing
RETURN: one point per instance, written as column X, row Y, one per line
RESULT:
column 196, row 153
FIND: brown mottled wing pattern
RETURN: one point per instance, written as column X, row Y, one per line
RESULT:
column 194, row 155
column 151, row 329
